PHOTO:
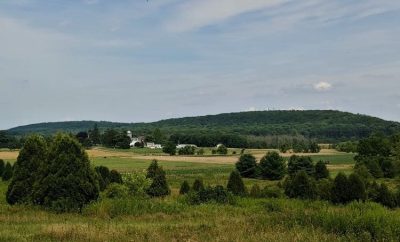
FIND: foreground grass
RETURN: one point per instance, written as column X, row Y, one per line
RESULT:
column 171, row 219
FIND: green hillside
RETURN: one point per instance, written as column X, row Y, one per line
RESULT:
column 324, row 125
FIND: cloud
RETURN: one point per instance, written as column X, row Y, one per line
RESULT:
column 196, row 14
column 322, row 86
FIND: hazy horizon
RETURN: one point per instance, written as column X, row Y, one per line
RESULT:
column 141, row 61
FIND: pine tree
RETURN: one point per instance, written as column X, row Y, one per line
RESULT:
column 235, row 184
column 247, row 165
column 67, row 183
column 2, row 166
column 159, row 187
column 115, row 177
column 356, row 188
column 198, row 185
column 103, row 174
column 185, row 188
column 321, row 171
column 340, row 189
column 8, row 172
column 385, row 197
column 272, row 166
column 152, row 169
column 31, row 158
column 301, row 186
column 300, row 163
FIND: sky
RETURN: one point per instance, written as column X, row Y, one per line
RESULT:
column 140, row 61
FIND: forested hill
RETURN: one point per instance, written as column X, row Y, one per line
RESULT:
column 325, row 125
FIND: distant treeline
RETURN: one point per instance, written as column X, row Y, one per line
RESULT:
column 324, row 126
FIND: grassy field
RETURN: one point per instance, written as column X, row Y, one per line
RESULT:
column 171, row 219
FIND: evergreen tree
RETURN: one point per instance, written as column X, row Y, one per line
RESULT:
column 94, row 135
column 385, row 197
column 158, row 136
column 8, row 172
column 67, row 182
column 152, row 169
column 159, row 187
column 31, row 158
column 198, row 185
column 340, row 189
column 185, row 188
column 301, row 186
column 362, row 171
column 356, row 188
column 2, row 166
column 272, row 166
column 247, row 165
column 115, row 177
column 235, row 184
column 321, row 171
column 388, row 169
column 169, row 148
column 300, row 163
column 324, row 189
column 103, row 174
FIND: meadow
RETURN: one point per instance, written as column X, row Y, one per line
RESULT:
column 172, row 219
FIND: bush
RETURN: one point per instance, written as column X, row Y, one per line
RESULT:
column 185, row 188
column 321, row 171
column 200, row 151
column 198, row 185
column 152, row 169
column 272, row 166
column 115, row 177
column 8, row 172
column 356, row 188
column 137, row 183
column 115, row 190
column 385, row 197
column 272, row 192
column 340, row 189
column 324, row 189
column 187, row 150
column 255, row 191
column 159, row 186
column 68, row 182
column 31, row 158
column 301, row 186
column 235, row 184
column 216, row 194
column 222, row 150
column 300, row 163
column 2, row 166
column 247, row 165
column 169, row 148
column 388, row 169
column 103, row 176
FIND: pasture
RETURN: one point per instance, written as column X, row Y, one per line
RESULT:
column 170, row 219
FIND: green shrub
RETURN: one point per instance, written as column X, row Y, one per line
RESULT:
column 115, row 177
column 272, row 192
column 115, row 190
column 31, row 158
column 321, row 171
column 255, row 191
column 185, row 188
column 68, row 182
column 356, row 188
column 301, row 186
column 8, row 172
column 216, row 194
column 340, row 189
column 2, row 166
column 169, row 148
column 187, row 150
column 103, row 176
column 137, row 183
column 222, row 150
column 300, row 163
column 159, row 186
column 198, row 185
column 272, row 166
column 235, row 184
column 247, row 165
column 324, row 189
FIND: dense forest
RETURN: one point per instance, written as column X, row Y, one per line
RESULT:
column 322, row 125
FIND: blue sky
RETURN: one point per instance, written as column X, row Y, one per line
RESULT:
column 134, row 61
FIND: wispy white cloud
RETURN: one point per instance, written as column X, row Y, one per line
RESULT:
column 195, row 14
